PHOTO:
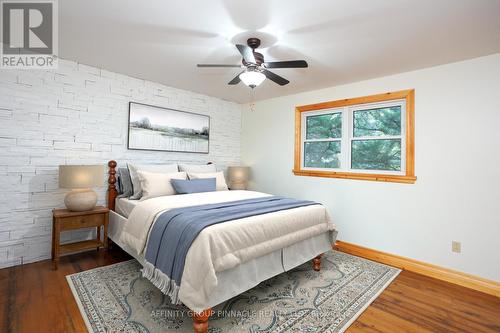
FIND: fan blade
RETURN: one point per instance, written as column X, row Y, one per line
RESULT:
column 275, row 77
column 236, row 80
column 217, row 65
column 286, row 64
column 247, row 53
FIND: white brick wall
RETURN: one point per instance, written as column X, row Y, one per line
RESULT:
column 78, row 115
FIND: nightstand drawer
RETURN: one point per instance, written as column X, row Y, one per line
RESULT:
column 78, row 222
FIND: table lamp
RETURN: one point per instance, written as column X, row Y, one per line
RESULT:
column 238, row 177
column 80, row 178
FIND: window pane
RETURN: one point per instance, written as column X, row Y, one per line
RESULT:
column 377, row 122
column 322, row 154
column 325, row 126
column 376, row 154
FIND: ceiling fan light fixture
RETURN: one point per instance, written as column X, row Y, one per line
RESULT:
column 252, row 78
column 256, row 68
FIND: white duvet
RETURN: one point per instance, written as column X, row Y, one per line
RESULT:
column 225, row 245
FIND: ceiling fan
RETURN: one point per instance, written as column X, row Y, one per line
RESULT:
column 256, row 69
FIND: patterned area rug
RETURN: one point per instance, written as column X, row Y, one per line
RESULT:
column 117, row 299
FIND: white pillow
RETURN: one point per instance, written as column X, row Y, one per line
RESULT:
column 197, row 168
column 157, row 168
column 158, row 184
column 220, row 181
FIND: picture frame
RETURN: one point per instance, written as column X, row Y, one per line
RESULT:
column 156, row 128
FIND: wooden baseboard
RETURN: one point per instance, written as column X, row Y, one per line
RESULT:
column 440, row 273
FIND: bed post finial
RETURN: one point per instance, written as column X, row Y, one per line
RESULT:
column 112, row 192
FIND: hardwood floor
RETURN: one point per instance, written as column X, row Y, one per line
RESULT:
column 34, row 298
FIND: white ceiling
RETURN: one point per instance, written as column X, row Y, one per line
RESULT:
column 342, row 40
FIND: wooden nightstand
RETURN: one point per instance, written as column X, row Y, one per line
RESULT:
column 64, row 220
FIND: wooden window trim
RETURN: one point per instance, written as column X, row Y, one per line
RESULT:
column 409, row 176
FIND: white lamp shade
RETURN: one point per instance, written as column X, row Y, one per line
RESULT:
column 81, row 176
column 252, row 78
column 238, row 177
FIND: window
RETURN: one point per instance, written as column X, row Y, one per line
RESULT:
column 367, row 138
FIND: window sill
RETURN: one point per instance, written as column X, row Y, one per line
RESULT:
column 359, row 176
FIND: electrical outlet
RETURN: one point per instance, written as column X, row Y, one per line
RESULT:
column 456, row 247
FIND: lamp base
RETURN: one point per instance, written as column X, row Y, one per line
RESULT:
column 238, row 185
column 80, row 200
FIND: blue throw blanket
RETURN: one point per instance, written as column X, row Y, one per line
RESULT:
column 175, row 230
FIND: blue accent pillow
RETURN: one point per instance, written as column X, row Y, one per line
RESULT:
column 182, row 186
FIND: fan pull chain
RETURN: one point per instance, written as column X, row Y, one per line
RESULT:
column 252, row 101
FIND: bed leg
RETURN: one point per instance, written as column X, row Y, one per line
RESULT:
column 200, row 321
column 317, row 263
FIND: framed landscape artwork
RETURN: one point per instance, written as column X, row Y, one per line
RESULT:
column 156, row 128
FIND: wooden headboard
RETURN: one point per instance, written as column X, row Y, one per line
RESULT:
column 112, row 191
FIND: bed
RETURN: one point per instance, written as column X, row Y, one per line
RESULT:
column 228, row 258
